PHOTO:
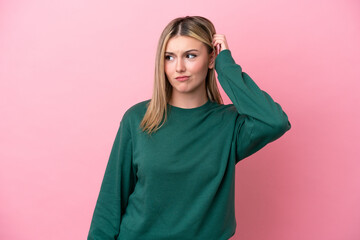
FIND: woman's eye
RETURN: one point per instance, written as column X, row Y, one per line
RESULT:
column 167, row 57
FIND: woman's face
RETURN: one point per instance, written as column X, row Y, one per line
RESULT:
column 186, row 56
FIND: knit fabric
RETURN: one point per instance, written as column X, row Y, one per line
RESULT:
column 178, row 184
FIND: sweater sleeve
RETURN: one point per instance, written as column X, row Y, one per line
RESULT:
column 260, row 119
column 117, row 185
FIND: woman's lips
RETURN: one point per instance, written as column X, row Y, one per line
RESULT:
column 182, row 78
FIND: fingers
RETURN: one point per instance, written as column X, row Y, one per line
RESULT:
column 219, row 42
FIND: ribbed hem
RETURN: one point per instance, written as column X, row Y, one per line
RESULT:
column 222, row 59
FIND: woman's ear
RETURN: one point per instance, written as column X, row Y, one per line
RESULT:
column 212, row 60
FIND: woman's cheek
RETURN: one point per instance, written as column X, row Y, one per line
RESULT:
column 195, row 67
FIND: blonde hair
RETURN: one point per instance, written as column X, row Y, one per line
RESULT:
column 199, row 28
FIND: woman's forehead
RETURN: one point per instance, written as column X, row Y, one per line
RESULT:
column 181, row 44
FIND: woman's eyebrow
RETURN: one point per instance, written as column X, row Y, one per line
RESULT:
column 184, row 52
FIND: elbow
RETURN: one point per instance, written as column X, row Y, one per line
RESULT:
column 278, row 126
column 281, row 125
column 284, row 126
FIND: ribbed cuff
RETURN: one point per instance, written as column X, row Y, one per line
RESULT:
column 222, row 59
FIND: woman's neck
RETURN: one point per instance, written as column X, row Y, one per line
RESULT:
column 186, row 101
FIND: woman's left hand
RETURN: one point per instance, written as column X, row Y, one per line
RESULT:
column 219, row 42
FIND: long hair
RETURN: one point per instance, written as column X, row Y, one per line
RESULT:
column 199, row 28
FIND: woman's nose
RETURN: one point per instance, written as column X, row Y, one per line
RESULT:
column 180, row 66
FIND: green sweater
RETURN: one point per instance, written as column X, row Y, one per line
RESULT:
column 179, row 183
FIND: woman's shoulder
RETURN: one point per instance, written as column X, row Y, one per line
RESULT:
column 136, row 110
column 224, row 108
column 140, row 106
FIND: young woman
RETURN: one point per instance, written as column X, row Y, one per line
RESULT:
column 171, row 171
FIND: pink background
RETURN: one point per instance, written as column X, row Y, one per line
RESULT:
column 69, row 70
